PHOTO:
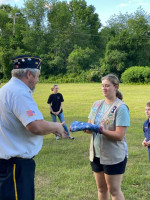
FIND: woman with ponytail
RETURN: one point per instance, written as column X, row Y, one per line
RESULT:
column 55, row 102
column 108, row 149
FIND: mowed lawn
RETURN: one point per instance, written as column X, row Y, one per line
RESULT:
column 63, row 170
column 62, row 167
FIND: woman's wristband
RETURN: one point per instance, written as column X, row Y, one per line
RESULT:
column 100, row 130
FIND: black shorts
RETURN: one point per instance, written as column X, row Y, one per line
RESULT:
column 118, row 168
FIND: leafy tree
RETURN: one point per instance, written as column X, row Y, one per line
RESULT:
column 10, row 37
column 128, row 43
column 35, row 11
column 68, row 38
column 85, row 23
column 115, row 62
column 60, row 29
column 73, row 24
column 80, row 59
column 34, row 35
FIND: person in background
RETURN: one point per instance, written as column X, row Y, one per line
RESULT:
column 146, row 129
column 55, row 102
column 22, row 127
column 108, row 149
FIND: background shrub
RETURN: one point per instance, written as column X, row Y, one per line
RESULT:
column 136, row 74
column 82, row 77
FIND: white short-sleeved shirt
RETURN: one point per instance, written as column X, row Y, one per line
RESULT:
column 17, row 110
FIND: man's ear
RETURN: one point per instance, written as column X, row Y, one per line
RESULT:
column 28, row 74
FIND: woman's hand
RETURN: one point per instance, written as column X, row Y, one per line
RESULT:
column 54, row 113
column 88, row 132
column 57, row 113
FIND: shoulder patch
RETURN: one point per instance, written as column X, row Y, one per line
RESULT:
column 30, row 113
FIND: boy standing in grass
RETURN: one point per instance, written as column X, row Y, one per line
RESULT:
column 146, row 129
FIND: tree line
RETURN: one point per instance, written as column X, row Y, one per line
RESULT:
column 71, row 40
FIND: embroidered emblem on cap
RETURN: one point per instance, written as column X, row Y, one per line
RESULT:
column 25, row 61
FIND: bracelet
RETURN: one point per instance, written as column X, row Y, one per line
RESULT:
column 100, row 130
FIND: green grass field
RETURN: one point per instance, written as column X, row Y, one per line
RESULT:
column 63, row 170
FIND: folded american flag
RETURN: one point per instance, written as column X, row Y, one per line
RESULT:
column 81, row 126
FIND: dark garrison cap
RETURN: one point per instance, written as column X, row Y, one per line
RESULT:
column 25, row 61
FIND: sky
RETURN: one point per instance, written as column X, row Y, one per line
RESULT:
column 104, row 8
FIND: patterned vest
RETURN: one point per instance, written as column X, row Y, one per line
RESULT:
column 111, row 151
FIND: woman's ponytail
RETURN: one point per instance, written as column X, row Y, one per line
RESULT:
column 119, row 95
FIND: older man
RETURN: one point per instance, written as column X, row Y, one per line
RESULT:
column 21, row 130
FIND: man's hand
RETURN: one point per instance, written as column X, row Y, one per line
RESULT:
column 60, row 131
column 42, row 127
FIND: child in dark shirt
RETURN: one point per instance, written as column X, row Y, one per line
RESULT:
column 55, row 102
column 146, row 129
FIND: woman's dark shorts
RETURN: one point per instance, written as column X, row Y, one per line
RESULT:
column 118, row 168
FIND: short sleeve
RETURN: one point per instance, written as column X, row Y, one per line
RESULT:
column 49, row 99
column 123, row 116
column 26, row 110
column 61, row 98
